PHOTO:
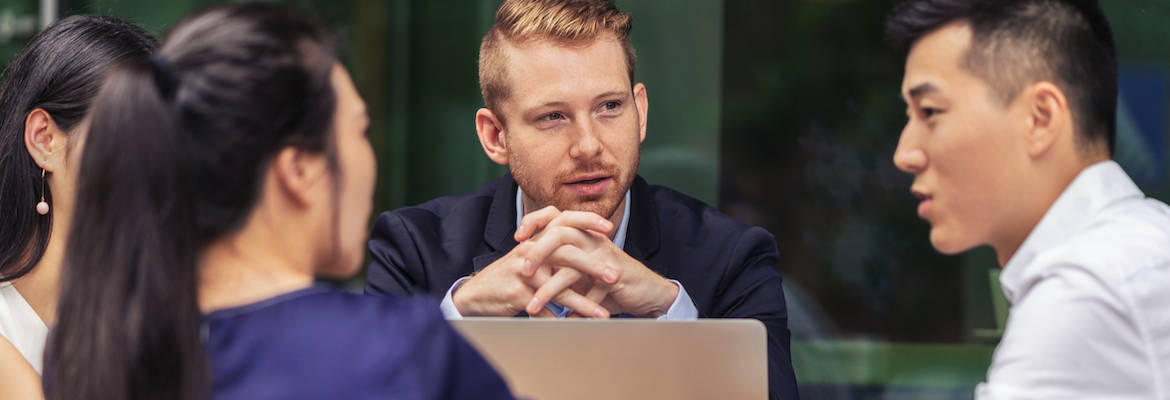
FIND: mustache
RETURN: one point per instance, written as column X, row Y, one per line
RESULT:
column 589, row 167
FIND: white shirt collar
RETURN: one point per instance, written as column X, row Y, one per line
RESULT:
column 1092, row 190
column 619, row 239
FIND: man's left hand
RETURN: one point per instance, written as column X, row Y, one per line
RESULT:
column 637, row 291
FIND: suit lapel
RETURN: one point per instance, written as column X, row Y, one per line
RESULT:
column 642, row 235
column 501, row 223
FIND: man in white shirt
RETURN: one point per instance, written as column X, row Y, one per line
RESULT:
column 1011, row 109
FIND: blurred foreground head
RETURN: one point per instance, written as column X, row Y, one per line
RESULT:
column 181, row 154
column 1008, row 100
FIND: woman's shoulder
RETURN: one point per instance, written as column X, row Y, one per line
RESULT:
column 324, row 308
column 19, row 379
column 330, row 343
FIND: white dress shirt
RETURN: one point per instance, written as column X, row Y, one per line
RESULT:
column 1090, row 295
column 21, row 326
column 682, row 309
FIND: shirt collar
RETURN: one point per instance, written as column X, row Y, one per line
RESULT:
column 619, row 239
column 1092, row 190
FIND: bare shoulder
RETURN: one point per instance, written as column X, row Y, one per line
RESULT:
column 17, row 376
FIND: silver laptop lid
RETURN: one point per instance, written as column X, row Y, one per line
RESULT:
column 625, row 358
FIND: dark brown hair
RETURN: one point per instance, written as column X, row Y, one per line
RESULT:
column 175, row 158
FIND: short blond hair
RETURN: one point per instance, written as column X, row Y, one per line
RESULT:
column 562, row 22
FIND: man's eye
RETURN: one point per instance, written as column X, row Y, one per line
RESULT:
column 928, row 112
column 611, row 105
column 553, row 117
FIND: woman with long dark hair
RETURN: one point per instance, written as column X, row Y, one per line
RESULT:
column 218, row 178
column 46, row 94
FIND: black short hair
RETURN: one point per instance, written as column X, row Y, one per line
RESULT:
column 1015, row 43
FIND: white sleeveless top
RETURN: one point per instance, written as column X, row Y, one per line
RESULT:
column 21, row 326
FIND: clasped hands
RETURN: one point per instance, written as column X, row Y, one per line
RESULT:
column 565, row 257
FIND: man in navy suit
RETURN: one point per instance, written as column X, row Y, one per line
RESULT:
column 572, row 231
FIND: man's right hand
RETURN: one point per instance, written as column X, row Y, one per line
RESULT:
column 502, row 289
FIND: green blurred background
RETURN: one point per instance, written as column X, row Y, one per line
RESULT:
column 784, row 114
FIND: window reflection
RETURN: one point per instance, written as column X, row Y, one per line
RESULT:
column 811, row 117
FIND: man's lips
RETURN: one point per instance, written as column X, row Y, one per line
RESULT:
column 587, row 179
column 927, row 200
column 589, row 185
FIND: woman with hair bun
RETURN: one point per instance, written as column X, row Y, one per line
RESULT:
column 47, row 91
column 219, row 178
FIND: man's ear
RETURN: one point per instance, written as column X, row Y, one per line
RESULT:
column 492, row 136
column 45, row 141
column 1049, row 115
column 643, row 105
column 297, row 172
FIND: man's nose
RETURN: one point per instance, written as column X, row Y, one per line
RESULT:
column 588, row 141
column 909, row 156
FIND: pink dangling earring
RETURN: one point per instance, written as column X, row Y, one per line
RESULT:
column 42, row 207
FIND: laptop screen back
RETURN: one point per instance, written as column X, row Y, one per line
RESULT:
column 625, row 358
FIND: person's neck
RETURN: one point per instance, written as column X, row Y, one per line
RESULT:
column 250, row 266
column 1040, row 194
column 41, row 286
column 615, row 218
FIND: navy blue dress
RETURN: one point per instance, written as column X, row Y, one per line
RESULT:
column 318, row 343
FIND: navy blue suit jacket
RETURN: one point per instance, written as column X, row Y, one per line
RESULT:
column 727, row 267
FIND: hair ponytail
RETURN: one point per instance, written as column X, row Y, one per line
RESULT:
column 131, row 288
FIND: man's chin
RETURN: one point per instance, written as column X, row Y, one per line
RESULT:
column 947, row 243
column 600, row 207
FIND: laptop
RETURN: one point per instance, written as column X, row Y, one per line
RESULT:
column 625, row 358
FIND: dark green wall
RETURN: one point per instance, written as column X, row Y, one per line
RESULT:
column 19, row 20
